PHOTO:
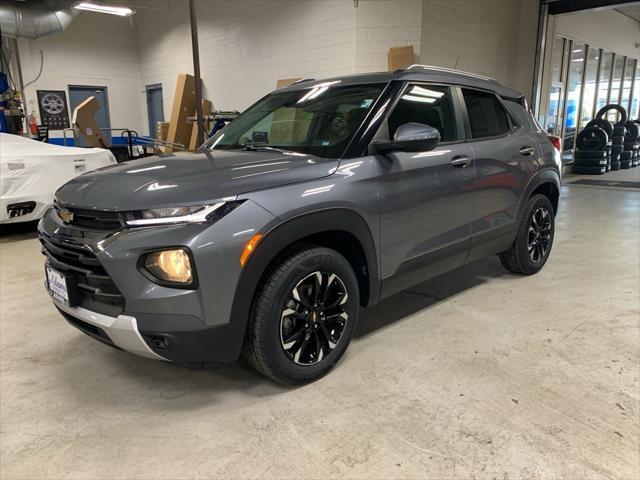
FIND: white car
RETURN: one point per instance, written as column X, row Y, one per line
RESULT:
column 31, row 172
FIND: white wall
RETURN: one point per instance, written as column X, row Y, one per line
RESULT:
column 381, row 24
column 246, row 45
column 490, row 37
column 606, row 29
column 96, row 50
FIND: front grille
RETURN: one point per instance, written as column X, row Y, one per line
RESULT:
column 96, row 290
column 89, row 219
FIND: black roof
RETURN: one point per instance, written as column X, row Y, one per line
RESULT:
column 417, row 73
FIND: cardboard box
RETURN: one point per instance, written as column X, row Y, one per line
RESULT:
column 285, row 82
column 184, row 104
column 85, row 123
column 400, row 57
column 162, row 129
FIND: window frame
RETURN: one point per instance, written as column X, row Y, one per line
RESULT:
column 457, row 111
column 513, row 126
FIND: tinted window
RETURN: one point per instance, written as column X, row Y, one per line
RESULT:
column 486, row 114
column 427, row 104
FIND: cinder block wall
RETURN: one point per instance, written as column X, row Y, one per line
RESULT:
column 381, row 24
column 246, row 45
column 96, row 50
column 489, row 37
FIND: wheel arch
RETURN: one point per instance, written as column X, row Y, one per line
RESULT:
column 342, row 229
column 546, row 182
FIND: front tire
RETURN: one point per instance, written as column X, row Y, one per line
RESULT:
column 531, row 248
column 303, row 316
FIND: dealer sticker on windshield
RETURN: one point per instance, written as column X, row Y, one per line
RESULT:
column 57, row 285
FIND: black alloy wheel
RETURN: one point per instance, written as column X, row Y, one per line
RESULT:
column 314, row 318
column 303, row 316
column 531, row 248
column 539, row 234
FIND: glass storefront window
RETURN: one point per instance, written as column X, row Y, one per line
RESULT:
column 556, row 59
column 589, row 89
column 603, row 85
column 635, row 101
column 583, row 79
column 626, row 83
column 574, row 89
column 615, row 86
column 555, row 98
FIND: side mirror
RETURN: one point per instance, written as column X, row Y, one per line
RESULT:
column 410, row 137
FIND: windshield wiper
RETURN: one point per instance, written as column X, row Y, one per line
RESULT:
column 264, row 148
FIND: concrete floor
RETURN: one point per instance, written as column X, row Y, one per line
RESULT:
column 477, row 374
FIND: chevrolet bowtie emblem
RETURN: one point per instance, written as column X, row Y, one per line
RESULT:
column 65, row 215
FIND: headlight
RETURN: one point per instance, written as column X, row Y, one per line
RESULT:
column 170, row 267
column 178, row 215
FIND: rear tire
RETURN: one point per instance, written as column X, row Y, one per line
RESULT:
column 534, row 239
column 303, row 316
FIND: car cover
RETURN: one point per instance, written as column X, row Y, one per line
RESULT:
column 31, row 172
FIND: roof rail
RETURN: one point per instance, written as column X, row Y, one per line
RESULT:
column 451, row 70
column 301, row 81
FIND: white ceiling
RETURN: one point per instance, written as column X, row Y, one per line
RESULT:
column 632, row 11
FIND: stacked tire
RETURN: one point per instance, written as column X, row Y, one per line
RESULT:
column 630, row 154
column 593, row 149
column 618, row 158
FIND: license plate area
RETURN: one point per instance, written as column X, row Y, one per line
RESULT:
column 61, row 286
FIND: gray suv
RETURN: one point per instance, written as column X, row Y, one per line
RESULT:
column 322, row 197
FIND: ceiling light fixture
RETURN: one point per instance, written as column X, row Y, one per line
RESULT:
column 110, row 9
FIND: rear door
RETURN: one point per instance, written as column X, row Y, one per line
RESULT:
column 426, row 198
column 501, row 150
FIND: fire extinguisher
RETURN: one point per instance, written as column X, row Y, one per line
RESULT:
column 33, row 124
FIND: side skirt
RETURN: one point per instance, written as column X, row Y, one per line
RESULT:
column 492, row 242
column 427, row 266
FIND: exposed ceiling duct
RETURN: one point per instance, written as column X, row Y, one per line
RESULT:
column 36, row 18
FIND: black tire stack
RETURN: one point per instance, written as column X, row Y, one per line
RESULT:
column 631, row 155
column 602, row 146
column 593, row 149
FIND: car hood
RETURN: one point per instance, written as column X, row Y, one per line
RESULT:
column 189, row 178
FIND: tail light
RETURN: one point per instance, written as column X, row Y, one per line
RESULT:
column 555, row 141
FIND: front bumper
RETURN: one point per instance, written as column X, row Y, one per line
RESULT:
column 121, row 331
column 40, row 205
column 155, row 321
column 172, row 343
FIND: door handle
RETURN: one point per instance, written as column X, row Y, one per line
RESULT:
column 460, row 161
column 526, row 151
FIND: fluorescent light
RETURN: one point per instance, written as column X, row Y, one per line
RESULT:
column 110, row 9
column 413, row 98
column 425, row 92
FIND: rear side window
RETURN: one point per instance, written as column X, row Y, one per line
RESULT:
column 486, row 115
column 427, row 104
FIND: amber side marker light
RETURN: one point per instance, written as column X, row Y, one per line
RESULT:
column 249, row 248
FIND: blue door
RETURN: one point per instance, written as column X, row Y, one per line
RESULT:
column 78, row 94
column 155, row 107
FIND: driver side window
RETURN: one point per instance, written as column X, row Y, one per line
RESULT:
column 427, row 104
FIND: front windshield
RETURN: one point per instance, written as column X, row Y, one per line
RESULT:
column 319, row 121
